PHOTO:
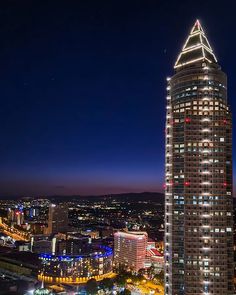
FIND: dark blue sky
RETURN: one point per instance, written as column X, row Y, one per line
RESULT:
column 82, row 90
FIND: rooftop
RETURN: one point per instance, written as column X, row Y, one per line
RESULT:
column 196, row 48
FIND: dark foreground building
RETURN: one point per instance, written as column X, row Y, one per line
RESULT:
column 198, row 199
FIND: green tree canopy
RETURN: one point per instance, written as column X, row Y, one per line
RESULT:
column 120, row 280
column 125, row 292
column 107, row 283
column 91, row 286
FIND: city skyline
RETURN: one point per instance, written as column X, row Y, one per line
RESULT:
column 83, row 93
column 117, row 147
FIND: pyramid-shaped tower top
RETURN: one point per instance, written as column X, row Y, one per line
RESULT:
column 196, row 48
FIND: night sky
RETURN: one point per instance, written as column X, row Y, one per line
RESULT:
column 83, row 87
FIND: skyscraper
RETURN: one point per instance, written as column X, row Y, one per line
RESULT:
column 198, row 194
column 130, row 249
column 57, row 218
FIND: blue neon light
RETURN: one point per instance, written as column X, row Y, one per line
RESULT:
column 108, row 252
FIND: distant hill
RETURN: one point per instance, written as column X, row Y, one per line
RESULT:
column 131, row 197
column 148, row 196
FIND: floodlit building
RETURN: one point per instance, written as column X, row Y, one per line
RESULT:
column 154, row 259
column 130, row 249
column 94, row 261
column 198, row 193
column 16, row 216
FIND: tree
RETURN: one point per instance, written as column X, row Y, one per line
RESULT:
column 140, row 277
column 151, row 270
column 120, row 280
column 107, row 284
column 160, row 277
column 135, row 279
column 125, row 292
column 121, row 268
column 91, row 286
column 142, row 271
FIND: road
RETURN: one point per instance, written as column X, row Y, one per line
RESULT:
column 13, row 233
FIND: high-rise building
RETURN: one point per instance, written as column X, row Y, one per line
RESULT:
column 57, row 218
column 130, row 249
column 198, row 194
column 16, row 216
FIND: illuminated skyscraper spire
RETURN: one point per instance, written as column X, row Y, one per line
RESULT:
column 198, row 188
column 196, row 48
